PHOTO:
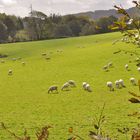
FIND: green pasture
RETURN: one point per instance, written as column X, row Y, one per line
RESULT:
column 25, row 103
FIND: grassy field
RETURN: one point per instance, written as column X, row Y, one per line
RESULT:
column 24, row 102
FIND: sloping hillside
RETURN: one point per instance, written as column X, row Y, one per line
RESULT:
column 25, row 103
column 134, row 12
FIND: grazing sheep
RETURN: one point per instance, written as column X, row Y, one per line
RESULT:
column 47, row 58
column 2, row 61
column 88, row 88
column 72, row 83
column 19, row 58
column 105, row 68
column 84, row 85
column 117, row 84
column 44, row 54
column 121, row 82
column 53, row 88
column 59, row 51
column 65, row 86
column 23, row 63
column 126, row 66
column 138, row 69
column 137, row 59
column 110, row 64
column 14, row 59
column 133, row 81
column 110, row 86
column 10, row 72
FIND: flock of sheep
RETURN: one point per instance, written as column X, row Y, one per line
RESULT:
column 10, row 72
column 71, row 83
column 67, row 85
column 47, row 57
column 119, row 83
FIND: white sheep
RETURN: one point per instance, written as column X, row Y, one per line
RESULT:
column 44, row 54
column 19, row 58
column 14, row 59
column 126, row 66
column 137, row 59
column 110, row 64
column 133, row 81
column 72, row 83
column 88, row 88
column 59, row 51
column 138, row 69
column 10, row 72
column 23, row 63
column 117, row 84
column 84, row 85
column 121, row 82
column 105, row 68
column 53, row 88
column 2, row 61
column 110, row 86
column 65, row 86
column 47, row 58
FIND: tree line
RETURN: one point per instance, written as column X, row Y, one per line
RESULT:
column 38, row 26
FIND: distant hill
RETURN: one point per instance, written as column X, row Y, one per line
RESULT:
column 134, row 12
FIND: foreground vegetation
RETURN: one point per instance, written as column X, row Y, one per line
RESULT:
column 26, row 104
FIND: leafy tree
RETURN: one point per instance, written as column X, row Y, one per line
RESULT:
column 61, row 30
column 3, row 32
column 35, row 25
column 127, row 23
column 22, row 35
column 11, row 28
column 105, row 22
column 88, row 29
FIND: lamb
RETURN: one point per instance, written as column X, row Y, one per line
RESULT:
column 121, row 82
column 117, row 84
column 72, row 83
column 138, row 69
column 53, row 88
column 10, row 72
column 126, row 66
column 133, row 81
column 65, row 86
column 110, row 86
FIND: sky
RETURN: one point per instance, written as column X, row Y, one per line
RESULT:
column 62, row 7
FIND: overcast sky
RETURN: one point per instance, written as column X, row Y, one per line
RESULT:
column 22, row 7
